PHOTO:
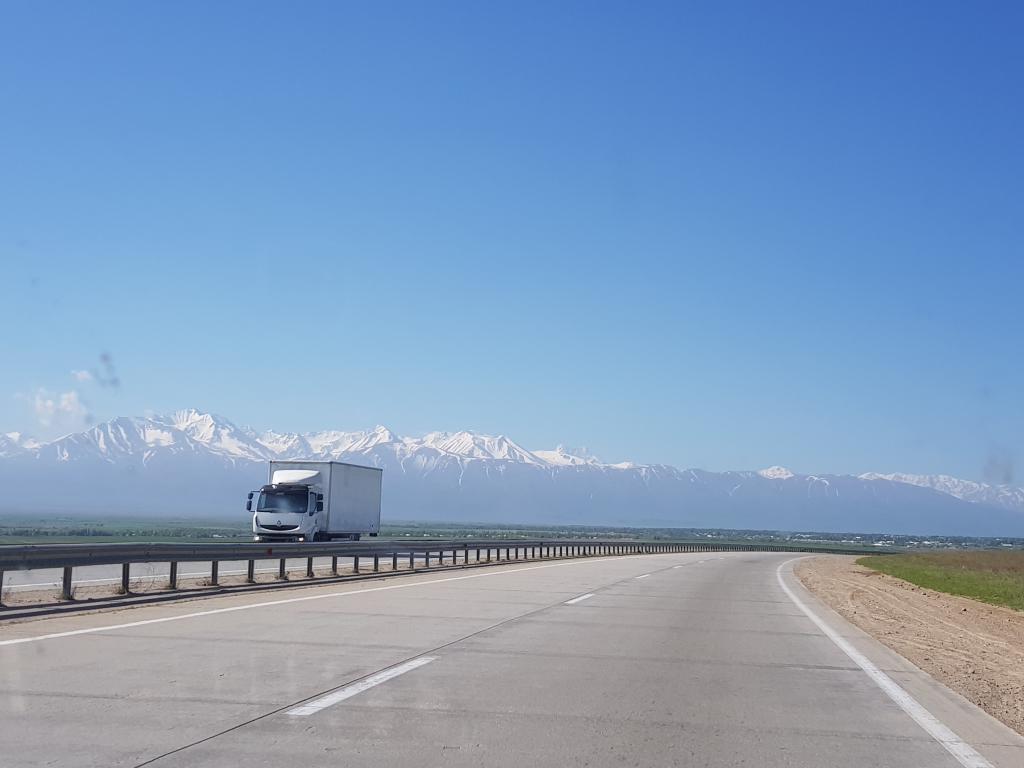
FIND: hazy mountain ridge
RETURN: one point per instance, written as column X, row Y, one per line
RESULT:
column 200, row 463
column 1008, row 496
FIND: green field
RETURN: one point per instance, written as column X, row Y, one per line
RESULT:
column 995, row 577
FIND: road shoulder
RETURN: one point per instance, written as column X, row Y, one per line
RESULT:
column 974, row 649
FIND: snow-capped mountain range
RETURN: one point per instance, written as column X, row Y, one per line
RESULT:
column 200, row 464
column 192, row 431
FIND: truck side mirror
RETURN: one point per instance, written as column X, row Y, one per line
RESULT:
column 319, row 497
column 248, row 505
column 320, row 506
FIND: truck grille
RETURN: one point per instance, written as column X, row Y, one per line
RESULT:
column 269, row 527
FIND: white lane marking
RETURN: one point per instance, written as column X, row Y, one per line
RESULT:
column 314, row 706
column 579, row 599
column 677, row 566
column 286, row 601
column 960, row 749
column 644, row 576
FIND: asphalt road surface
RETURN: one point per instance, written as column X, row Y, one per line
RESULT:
column 682, row 659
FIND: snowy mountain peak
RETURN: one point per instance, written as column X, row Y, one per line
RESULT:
column 191, row 417
column 12, row 443
column 776, row 473
column 473, row 446
column 563, row 457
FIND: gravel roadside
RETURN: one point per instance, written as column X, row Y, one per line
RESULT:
column 974, row 648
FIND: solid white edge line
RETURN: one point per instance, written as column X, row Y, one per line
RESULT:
column 330, row 699
column 960, row 749
column 306, row 598
column 579, row 599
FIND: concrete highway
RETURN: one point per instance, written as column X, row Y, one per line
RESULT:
column 682, row 659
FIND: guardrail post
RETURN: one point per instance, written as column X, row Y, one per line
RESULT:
column 465, row 554
column 309, row 567
column 126, row 576
column 172, row 582
column 426, row 559
column 334, row 565
column 412, row 560
column 355, row 564
column 1, row 589
column 65, row 584
column 282, row 569
column 394, row 561
column 250, row 572
column 376, row 563
column 214, row 568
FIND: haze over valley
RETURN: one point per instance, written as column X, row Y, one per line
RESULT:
column 191, row 464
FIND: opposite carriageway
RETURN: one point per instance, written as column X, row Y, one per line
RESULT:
column 384, row 556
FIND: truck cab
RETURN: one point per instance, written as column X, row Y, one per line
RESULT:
column 289, row 508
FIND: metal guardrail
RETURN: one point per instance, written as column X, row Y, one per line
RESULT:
column 448, row 552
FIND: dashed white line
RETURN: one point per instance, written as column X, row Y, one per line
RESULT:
column 579, row 599
column 960, row 749
column 644, row 576
column 314, row 706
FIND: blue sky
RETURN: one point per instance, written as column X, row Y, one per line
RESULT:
column 723, row 235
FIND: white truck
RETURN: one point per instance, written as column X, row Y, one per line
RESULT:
column 316, row 501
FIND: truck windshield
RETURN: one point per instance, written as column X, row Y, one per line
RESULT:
column 282, row 501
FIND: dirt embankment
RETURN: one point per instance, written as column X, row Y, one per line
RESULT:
column 973, row 648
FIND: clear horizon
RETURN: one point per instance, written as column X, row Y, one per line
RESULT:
column 686, row 236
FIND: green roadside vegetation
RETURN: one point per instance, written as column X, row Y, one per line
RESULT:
column 995, row 577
